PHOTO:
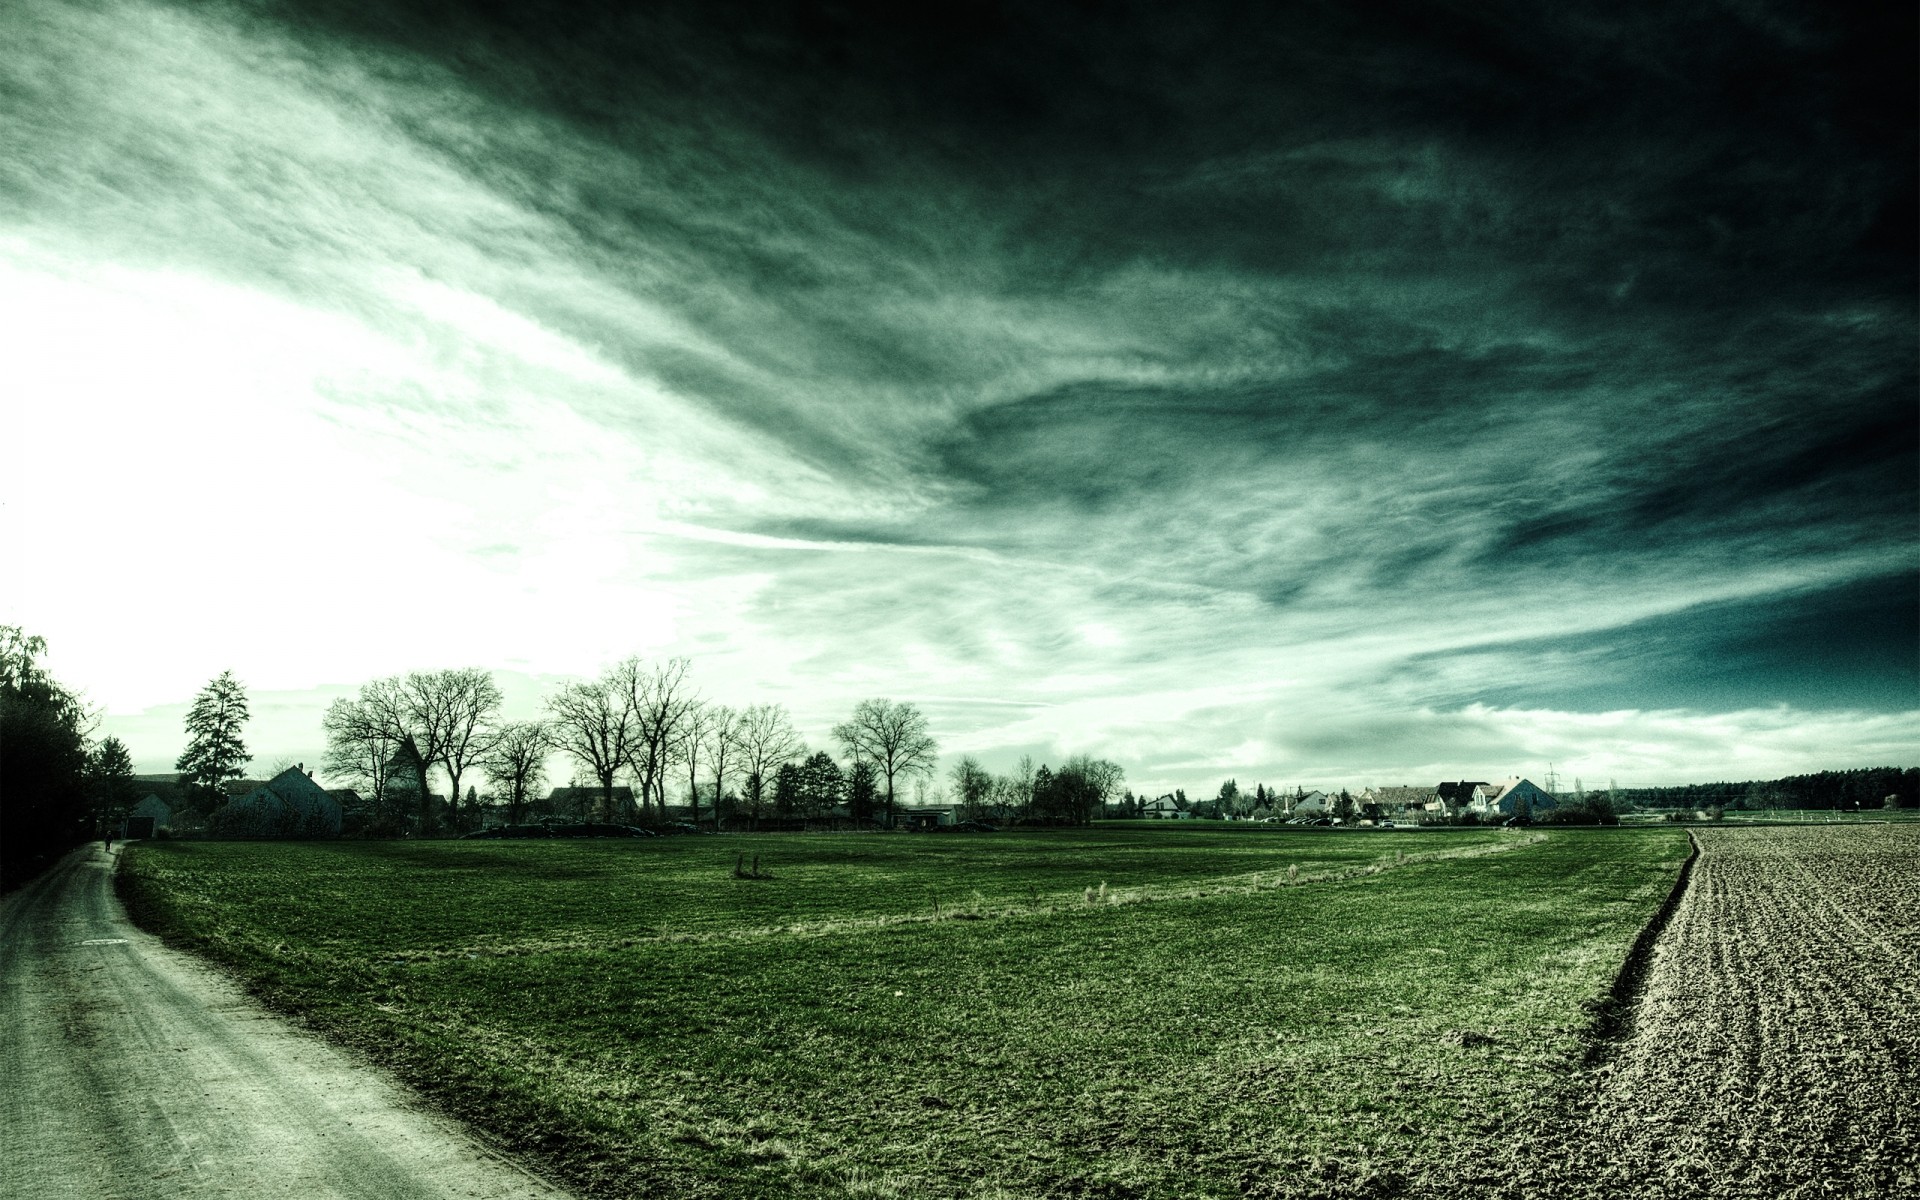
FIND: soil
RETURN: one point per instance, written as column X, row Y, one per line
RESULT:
column 132, row 1070
column 1774, row 1051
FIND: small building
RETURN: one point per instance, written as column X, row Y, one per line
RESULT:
column 1398, row 800
column 1312, row 804
column 1518, row 797
column 146, row 818
column 290, row 805
column 1455, row 797
column 922, row 816
column 1165, row 808
column 585, row 802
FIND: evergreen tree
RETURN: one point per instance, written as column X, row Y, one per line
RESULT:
column 863, row 788
column 786, row 789
column 821, row 785
column 214, row 752
column 110, row 769
column 1044, row 798
column 43, row 753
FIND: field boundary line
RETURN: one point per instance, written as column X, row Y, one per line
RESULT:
column 1613, row 1015
column 1271, row 880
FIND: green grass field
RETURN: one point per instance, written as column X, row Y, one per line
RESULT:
column 1212, row 1026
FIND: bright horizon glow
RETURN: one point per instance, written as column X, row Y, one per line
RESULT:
column 325, row 363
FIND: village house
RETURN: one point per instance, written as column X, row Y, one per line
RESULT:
column 1453, row 798
column 1398, row 800
column 147, row 818
column 1514, row 797
column 1164, row 808
column 290, row 804
column 1312, row 804
column 584, row 802
column 922, row 816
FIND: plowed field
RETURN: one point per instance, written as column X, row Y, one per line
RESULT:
column 1776, row 1050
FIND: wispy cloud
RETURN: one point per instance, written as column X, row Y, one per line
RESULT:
column 1277, row 394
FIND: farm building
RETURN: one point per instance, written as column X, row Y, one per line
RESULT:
column 289, row 805
column 147, row 817
column 1164, row 808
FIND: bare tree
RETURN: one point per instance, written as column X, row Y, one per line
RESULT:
column 458, row 707
column 766, row 739
column 415, row 734
column 420, row 728
column 689, row 743
column 516, row 764
column 361, row 746
column 722, row 746
column 893, row 737
column 1095, row 782
column 596, row 725
column 972, row 787
column 660, row 698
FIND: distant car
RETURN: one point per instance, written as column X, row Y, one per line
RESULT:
column 973, row 827
column 1388, row 825
column 1322, row 821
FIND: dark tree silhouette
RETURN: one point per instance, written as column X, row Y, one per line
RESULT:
column 215, row 752
column 893, row 737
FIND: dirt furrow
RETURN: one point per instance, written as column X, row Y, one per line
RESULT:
column 1773, row 1050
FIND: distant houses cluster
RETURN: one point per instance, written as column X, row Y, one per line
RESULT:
column 292, row 805
column 1448, row 801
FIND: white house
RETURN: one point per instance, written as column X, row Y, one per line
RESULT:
column 1514, row 794
column 1312, row 804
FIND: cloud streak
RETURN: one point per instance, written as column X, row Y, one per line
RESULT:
column 1300, row 378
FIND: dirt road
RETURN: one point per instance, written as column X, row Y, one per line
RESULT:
column 1775, row 1049
column 129, row 1070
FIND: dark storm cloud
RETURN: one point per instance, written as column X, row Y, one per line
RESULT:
column 1150, row 349
column 1827, row 648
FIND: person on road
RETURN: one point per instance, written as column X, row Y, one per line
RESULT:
column 106, row 839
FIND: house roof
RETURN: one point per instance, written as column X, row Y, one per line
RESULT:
column 295, row 784
column 620, row 792
column 1459, row 792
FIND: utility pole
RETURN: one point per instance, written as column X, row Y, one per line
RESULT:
column 1553, row 783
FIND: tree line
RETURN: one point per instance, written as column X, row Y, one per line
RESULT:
column 56, row 777
column 1863, row 788
column 639, row 732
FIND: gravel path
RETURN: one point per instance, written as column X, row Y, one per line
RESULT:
column 1775, row 1051
column 132, row 1071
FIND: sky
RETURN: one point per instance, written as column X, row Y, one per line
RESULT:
column 1308, row 394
